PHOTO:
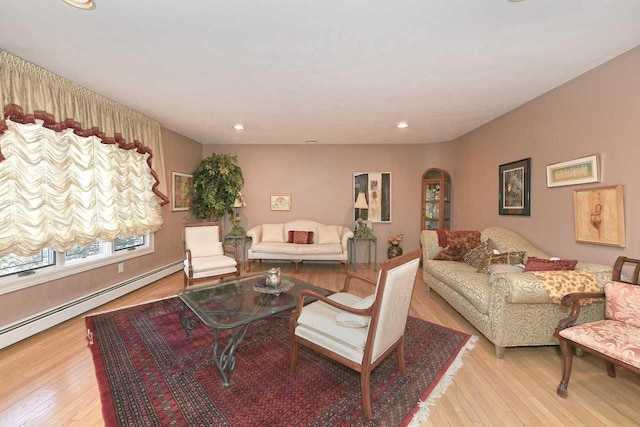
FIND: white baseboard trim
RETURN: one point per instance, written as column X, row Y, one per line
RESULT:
column 24, row 328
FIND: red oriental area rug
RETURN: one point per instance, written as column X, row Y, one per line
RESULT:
column 151, row 374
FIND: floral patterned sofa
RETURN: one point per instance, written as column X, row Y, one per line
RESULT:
column 512, row 308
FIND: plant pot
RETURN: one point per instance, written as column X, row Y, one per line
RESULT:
column 394, row 251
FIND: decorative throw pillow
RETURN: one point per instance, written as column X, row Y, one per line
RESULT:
column 328, row 234
column 458, row 244
column 350, row 320
column 478, row 255
column 273, row 233
column 511, row 258
column 623, row 302
column 300, row 237
column 541, row 264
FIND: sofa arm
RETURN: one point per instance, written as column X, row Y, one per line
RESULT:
column 347, row 234
column 429, row 240
column 256, row 234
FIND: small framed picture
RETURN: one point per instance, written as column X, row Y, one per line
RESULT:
column 281, row 202
column 572, row 172
column 514, row 195
column 181, row 194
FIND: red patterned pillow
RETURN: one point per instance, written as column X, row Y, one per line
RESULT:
column 300, row 237
column 541, row 264
column 458, row 244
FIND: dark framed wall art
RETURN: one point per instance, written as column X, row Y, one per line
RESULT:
column 514, row 195
column 376, row 187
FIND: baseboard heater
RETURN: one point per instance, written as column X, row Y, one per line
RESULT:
column 24, row 328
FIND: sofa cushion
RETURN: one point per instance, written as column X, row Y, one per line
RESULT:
column 611, row 337
column 463, row 279
column 273, row 233
column 543, row 264
column 511, row 258
column 496, row 269
column 351, row 320
column 300, row 237
column 623, row 303
column 293, row 249
column 458, row 244
column 477, row 256
column 328, row 234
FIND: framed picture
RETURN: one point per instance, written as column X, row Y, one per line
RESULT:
column 181, row 195
column 514, row 196
column 599, row 215
column 281, row 202
column 579, row 171
column 376, row 189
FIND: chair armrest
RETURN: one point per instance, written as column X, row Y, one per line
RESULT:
column 320, row 297
column 573, row 301
column 187, row 255
column 230, row 247
column 347, row 281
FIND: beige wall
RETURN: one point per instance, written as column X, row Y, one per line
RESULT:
column 596, row 113
column 181, row 155
column 320, row 180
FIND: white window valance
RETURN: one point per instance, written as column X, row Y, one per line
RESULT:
column 29, row 92
column 58, row 189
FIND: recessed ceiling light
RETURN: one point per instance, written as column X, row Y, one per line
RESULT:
column 402, row 125
column 239, row 126
column 81, row 4
column 310, row 141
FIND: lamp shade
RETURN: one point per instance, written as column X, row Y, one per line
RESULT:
column 361, row 202
column 239, row 202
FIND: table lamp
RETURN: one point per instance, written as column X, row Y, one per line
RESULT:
column 237, row 228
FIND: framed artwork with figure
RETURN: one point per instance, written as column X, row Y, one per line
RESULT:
column 376, row 188
column 599, row 215
column 514, row 196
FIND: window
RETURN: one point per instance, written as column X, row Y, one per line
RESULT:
column 20, row 272
column 130, row 243
column 12, row 264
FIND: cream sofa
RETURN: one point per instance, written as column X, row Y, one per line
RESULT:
column 269, row 241
column 513, row 310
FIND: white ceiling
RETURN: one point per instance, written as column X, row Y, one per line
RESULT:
column 335, row 71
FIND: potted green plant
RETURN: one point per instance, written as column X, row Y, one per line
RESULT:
column 216, row 184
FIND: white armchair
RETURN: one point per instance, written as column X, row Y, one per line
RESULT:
column 206, row 256
column 358, row 332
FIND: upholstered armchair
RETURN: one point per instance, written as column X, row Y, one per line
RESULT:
column 206, row 257
column 358, row 332
column 616, row 339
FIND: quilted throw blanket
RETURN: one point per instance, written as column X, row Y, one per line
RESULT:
column 560, row 283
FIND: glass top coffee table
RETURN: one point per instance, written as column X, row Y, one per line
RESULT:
column 235, row 304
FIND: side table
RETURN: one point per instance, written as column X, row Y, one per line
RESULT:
column 236, row 241
column 352, row 250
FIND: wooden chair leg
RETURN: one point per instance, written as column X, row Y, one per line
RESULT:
column 345, row 265
column 297, row 263
column 293, row 359
column 567, row 362
column 249, row 262
column 403, row 367
column 365, row 390
column 611, row 369
column 185, row 279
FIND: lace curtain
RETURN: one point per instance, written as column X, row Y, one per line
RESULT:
column 36, row 93
column 59, row 189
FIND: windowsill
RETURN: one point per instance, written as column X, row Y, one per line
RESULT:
column 47, row 274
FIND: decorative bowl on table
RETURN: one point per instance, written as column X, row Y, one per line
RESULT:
column 262, row 287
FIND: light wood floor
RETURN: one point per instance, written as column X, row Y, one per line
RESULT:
column 49, row 379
